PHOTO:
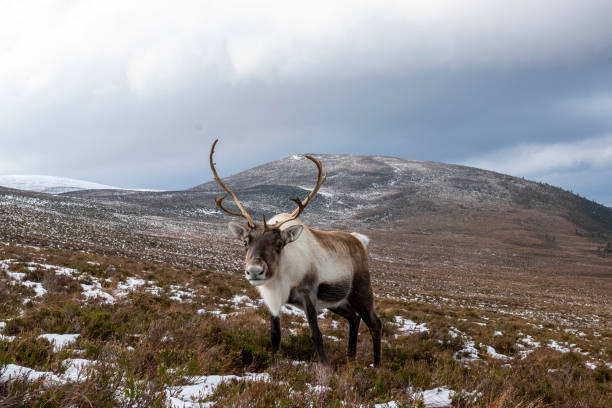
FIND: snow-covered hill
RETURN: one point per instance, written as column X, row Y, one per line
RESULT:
column 49, row 184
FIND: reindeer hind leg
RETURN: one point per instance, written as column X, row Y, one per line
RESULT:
column 365, row 308
column 353, row 318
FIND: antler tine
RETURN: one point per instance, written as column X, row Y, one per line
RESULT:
column 320, row 180
column 219, row 200
column 321, row 177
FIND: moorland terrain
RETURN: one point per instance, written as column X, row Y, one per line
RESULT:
column 494, row 291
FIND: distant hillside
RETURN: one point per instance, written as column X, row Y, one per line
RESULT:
column 48, row 184
column 375, row 189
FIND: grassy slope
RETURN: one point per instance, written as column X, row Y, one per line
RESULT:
column 148, row 342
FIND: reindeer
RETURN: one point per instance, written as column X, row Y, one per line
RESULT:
column 289, row 262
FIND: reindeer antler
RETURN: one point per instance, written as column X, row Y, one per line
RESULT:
column 219, row 200
column 321, row 176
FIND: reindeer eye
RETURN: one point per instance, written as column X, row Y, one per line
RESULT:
column 246, row 243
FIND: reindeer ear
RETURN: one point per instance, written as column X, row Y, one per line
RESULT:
column 238, row 230
column 291, row 234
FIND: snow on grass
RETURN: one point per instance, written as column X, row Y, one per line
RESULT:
column 556, row 346
column 32, row 266
column 437, row 397
column 293, row 311
column 497, row 333
column 434, row 398
column 523, row 352
column 491, row 352
column 407, row 326
column 454, row 333
column 530, row 341
column 131, row 284
column 217, row 313
column 94, row 291
column 4, row 263
column 468, row 352
column 76, row 369
column 154, row 290
column 317, row 389
column 14, row 372
column 75, row 372
column 243, row 300
column 590, row 365
column 59, row 270
column 2, row 336
column 576, row 332
column 38, row 288
column 179, row 295
column 203, row 387
column 16, row 275
column 59, row 341
column 206, row 211
column 390, row 404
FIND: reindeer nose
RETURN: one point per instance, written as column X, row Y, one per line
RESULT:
column 255, row 272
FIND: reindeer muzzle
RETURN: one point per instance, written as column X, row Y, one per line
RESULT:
column 256, row 274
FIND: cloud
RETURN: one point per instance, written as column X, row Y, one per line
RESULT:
column 133, row 93
column 145, row 43
column 584, row 166
column 533, row 159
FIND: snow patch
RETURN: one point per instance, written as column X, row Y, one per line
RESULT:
column 13, row 372
column 243, row 300
column 131, row 284
column 59, row 341
column 390, row 404
column 38, row 288
column 530, row 341
column 203, row 387
column 437, row 397
column 179, row 295
column 95, row 291
column 408, row 326
column 76, row 369
column 293, row 310
column 556, row 346
column 217, row 313
column 491, row 352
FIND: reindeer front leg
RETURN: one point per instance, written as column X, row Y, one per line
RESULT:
column 311, row 314
column 275, row 336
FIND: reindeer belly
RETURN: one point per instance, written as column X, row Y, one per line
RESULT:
column 330, row 294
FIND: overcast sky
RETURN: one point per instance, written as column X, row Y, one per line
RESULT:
column 132, row 93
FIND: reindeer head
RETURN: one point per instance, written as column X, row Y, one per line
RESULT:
column 263, row 242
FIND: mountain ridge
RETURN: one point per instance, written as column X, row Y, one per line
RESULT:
column 374, row 189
